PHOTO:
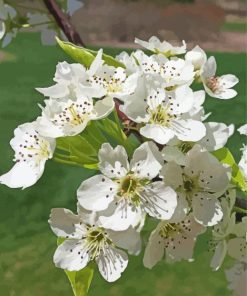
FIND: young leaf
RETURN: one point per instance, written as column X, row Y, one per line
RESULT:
column 225, row 156
column 86, row 56
column 80, row 280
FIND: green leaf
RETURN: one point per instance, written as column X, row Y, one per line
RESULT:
column 80, row 280
column 225, row 156
column 86, row 56
column 82, row 150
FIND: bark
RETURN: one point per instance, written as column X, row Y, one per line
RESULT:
column 63, row 22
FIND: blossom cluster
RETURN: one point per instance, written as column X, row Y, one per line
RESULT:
column 172, row 176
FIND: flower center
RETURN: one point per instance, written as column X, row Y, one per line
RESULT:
column 160, row 116
column 168, row 230
column 213, row 84
column 74, row 114
column 114, row 86
column 96, row 240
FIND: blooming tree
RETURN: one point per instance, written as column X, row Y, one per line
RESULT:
column 139, row 121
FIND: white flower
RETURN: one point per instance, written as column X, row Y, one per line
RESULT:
column 31, row 153
column 221, row 231
column 7, row 30
column 168, row 73
column 237, row 247
column 243, row 129
column 105, row 80
column 237, row 278
column 165, row 48
column 124, row 191
column 163, row 115
column 87, row 240
column 198, row 184
column 215, row 86
column 70, row 117
column 129, row 62
column 243, row 161
column 44, row 24
column 175, row 240
column 73, row 6
column 70, row 77
column 197, row 57
column 216, row 137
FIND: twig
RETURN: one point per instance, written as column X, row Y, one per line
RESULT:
column 63, row 22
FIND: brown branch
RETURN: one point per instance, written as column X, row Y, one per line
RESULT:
column 63, row 22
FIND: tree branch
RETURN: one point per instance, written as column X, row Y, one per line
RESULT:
column 63, row 22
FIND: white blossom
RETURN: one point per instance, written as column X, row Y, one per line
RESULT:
column 216, row 137
column 243, row 129
column 198, row 184
column 167, row 73
column 165, row 48
column 31, row 152
column 218, row 86
column 7, row 31
column 175, row 240
column 197, row 57
column 70, row 117
column 86, row 240
column 124, row 191
column 243, row 161
column 222, row 231
column 237, row 278
column 163, row 116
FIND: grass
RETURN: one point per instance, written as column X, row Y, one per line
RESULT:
column 234, row 27
column 27, row 243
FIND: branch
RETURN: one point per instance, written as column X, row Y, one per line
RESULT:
column 63, row 22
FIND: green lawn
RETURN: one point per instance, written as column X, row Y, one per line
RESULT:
column 234, row 27
column 27, row 243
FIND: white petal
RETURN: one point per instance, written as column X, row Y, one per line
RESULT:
column 121, row 216
column 228, row 81
column 64, row 223
column 189, row 130
column 240, row 228
column 2, row 29
column 197, row 57
column 129, row 239
column 103, row 107
column 159, row 201
column 226, row 94
column 111, row 263
column 219, row 255
column 172, row 174
column 209, row 68
column 113, row 162
column 206, row 209
column 243, row 129
column 71, row 255
column 183, row 99
column 237, row 249
column 181, row 210
column 23, row 175
column 146, row 161
column 158, row 133
column 217, row 135
column 96, row 193
column 173, row 153
column 56, row 91
column 154, row 251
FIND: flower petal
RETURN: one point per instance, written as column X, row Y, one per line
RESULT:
column 237, row 249
column 64, row 223
column 111, row 263
column 71, row 255
column 158, row 200
column 206, row 209
column 96, row 193
column 113, row 162
column 146, row 161
column 189, row 129
column 154, row 251
column 219, row 255
column 158, row 133
column 23, row 174
column 56, row 91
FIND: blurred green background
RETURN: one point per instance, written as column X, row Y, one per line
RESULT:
column 26, row 241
